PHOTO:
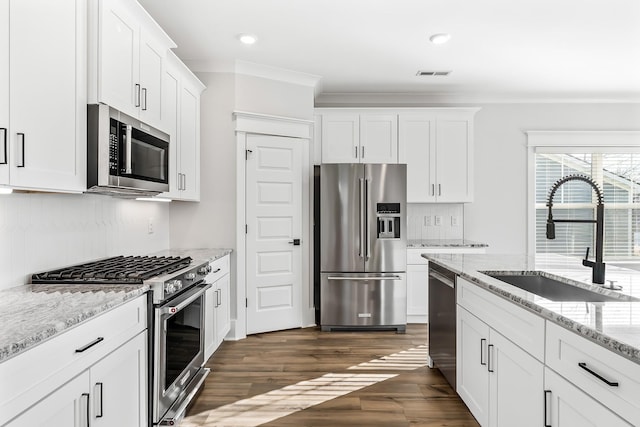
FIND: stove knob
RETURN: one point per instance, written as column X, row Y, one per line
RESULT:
column 190, row 276
column 178, row 284
column 209, row 268
column 204, row 270
column 169, row 288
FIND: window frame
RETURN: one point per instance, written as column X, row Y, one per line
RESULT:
column 569, row 142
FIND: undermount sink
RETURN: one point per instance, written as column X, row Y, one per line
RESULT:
column 546, row 286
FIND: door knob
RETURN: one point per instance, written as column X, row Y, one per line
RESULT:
column 295, row 242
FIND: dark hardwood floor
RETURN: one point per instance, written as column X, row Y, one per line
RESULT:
column 305, row 377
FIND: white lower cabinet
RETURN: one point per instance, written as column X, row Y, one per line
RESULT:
column 217, row 313
column 417, row 293
column 568, row 406
column 110, row 393
column 68, row 406
column 500, row 383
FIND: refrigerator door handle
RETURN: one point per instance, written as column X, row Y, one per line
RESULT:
column 377, row 278
column 366, row 221
column 361, row 209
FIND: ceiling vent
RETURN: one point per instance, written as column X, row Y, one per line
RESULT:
column 433, row 73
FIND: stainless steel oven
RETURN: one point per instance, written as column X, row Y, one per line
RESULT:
column 178, row 354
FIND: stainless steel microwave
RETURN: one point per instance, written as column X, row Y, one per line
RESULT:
column 125, row 157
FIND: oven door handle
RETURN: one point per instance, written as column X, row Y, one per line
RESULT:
column 175, row 305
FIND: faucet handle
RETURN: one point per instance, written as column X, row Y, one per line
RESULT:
column 586, row 261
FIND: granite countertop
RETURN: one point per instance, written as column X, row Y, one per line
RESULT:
column 31, row 314
column 202, row 254
column 444, row 243
column 613, row 325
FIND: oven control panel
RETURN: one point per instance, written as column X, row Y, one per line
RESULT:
column 185, row 280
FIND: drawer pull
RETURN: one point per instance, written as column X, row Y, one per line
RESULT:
column 598, row 376
column 217, row 269
column 91, row 344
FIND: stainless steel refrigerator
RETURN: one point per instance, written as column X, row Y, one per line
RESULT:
column 363, row 246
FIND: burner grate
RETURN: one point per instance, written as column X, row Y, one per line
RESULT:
column 115, row 270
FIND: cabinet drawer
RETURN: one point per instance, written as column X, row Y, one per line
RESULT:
column 40, row 370
column 522, row 327
column 219, row 268
column 566, row 350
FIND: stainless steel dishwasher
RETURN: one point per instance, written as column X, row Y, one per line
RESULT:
column 442, row 321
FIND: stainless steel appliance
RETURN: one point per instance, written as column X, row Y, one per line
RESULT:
column 363, row 246
column 125, row 157
column 442, row 321
column 176, row 322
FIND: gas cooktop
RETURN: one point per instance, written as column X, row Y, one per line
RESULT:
column 115, row 270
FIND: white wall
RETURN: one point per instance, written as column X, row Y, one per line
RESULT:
column 498, row 215
column 40, row 232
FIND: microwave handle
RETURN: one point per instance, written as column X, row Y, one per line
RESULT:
column 127, row 150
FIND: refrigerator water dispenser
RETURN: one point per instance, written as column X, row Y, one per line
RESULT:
column 388, row 220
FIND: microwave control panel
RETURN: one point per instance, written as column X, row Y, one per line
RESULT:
column 113, row 148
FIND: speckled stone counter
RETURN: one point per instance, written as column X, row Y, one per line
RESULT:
column 444, row 243
column 31, row 314
column 613, row 325
column 204, row 254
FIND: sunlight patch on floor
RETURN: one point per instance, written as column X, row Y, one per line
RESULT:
column 404, row 361
column 285, row 401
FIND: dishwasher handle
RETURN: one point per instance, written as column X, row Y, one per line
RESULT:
column 442, row 278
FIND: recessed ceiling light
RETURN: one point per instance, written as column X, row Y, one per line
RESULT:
column 247, row 38
column 6, row 190
column 440, row 38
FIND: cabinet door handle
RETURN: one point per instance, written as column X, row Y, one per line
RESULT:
column 4, row 161
column 184, row 181
column 547, row 406
column 91, row 344
column 483, row 341
column 144, row 99
column 219, row 297
column 98, row 400
column 137, row 85
column 439, row 189
column 356, row 152
column 362, row 152
column 86, row 402
column 598, row 376
column 24, row 156
column 489, row 367
column 433, row 189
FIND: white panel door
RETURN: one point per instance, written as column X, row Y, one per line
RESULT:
column 417, row 293
column 68, row 406
column 274, row 220
column 4, row 91
column 170, row 97
column 378, row 138
column 189, row 146
column 568, row 406
column 44, row 136
column 151, row 82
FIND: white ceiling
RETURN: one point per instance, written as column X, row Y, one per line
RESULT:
column 562, row 49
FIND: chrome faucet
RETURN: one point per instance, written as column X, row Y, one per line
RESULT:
column 598, row 266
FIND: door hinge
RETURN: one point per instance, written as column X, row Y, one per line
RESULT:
column 246, row 154
column 246, row 302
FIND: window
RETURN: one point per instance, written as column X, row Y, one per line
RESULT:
column 617, row 174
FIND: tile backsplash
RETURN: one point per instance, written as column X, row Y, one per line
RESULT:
column 40, row 232
column 435, row 221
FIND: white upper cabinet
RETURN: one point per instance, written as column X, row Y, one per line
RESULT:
column 43, row 140
column 437, row 146
column 128, row 50
column 181, row 112
column 359, row 137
